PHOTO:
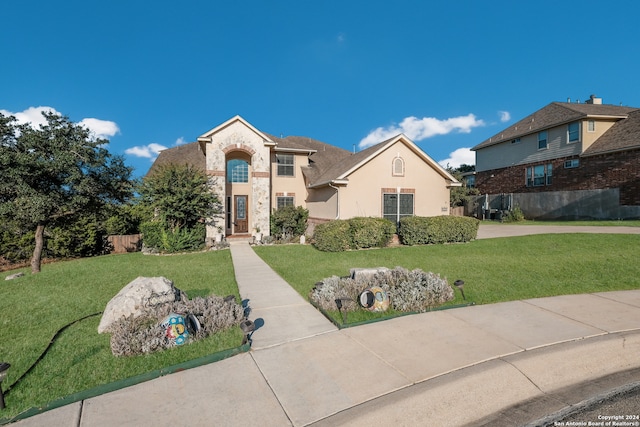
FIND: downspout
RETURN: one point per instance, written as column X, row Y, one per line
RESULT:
column 337, row 200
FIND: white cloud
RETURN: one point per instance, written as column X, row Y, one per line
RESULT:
column 461, row 156
column 33, row 116
column 101, row 128
column 149, row 151
column 505, row 116
column 419, row 129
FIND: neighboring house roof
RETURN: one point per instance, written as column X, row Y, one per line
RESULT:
column 189, row 154
column 624, row 135
column 555, row 114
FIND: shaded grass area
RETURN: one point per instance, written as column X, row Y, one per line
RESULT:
column 494, row 270
column 34, row 307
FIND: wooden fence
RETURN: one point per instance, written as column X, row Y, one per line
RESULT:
column 125, row 243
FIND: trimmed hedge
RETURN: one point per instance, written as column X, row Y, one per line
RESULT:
column 355, row 233
column 332, row 236
column 416, row 230
column 370, row 232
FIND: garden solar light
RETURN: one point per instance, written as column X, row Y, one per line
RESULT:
column 460, row 285
column 4, row 366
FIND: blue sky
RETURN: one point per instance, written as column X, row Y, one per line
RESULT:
column 152, row 75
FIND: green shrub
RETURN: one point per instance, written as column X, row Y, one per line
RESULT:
column 289, row 222
column 438, row 229
column 155, row 235
column 332, row 236
column 370, row 232
column 354, row 233
column 152, row 234
column 514, row 215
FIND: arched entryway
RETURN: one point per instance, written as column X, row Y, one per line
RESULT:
column 237, row 193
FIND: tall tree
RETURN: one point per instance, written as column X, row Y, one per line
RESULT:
column 56, row 172
column 180, row 196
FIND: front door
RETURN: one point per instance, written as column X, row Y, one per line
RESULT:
column 241, row 222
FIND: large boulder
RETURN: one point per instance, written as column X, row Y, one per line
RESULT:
column 137, row 296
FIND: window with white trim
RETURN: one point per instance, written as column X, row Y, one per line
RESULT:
column 539, row 175
column 282, row 201
column 398, row 166
column 397, row 205
column 237, row 171
column 573, row 163
column 591, row 126
column 542, row 140
column 285, row 164
column 573, row 132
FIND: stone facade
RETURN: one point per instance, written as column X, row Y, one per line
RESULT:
column 237, row 140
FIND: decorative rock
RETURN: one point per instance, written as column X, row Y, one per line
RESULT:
column 138, row 295
column 14, row 276
column 361, row 273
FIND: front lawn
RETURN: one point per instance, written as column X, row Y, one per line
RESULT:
column 494, row 270
column 34, row 307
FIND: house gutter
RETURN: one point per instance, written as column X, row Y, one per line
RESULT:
column 337, row 199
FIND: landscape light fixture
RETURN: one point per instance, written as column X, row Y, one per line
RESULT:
column 4, row 366
column 460, row 285
column 339, row 305
column 247, row 327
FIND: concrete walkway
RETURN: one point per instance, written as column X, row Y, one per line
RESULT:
column 501, row 364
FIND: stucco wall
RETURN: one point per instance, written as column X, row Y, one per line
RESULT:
column 323, row 203
column 363, row 195
column 286, row 185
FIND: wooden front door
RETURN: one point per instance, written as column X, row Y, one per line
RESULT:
column 240, row 220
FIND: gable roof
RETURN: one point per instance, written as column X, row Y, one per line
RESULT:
column 624, row 135
column 327, row 163
column 555, row 114
column 207, row 135
column 340, row 171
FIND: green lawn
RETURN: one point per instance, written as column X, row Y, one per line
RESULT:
column 494, row 270
column 34, row 307
column 612, row 223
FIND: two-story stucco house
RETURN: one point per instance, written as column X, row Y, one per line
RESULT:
column 253, row 173
column 571, row 160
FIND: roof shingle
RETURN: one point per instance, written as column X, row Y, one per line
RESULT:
column 552, row 115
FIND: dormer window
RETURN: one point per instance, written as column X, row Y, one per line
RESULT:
column 398, row 166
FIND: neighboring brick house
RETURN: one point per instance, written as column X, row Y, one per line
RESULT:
column 254, row 173
column 566, row 147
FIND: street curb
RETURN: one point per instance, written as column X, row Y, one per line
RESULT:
column 127, row 382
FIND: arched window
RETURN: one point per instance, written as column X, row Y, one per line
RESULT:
column 237, row 171
column 398, row 166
